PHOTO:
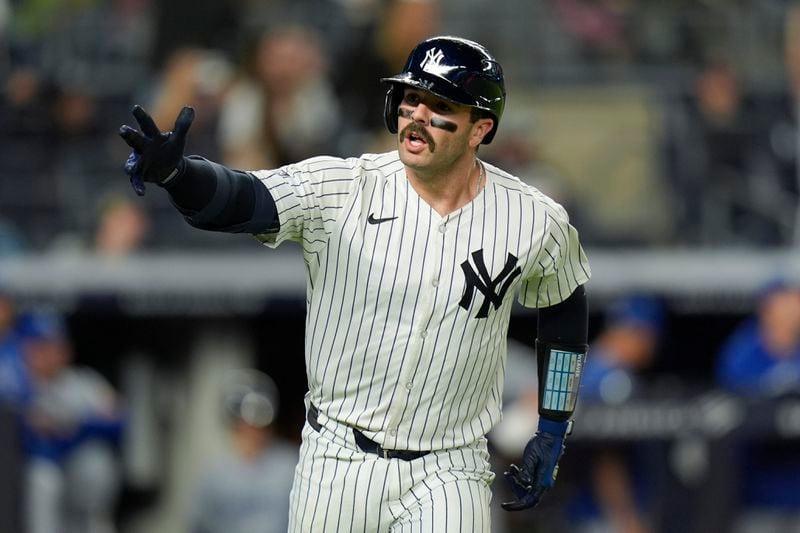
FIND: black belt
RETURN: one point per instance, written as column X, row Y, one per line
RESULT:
column 366, row 444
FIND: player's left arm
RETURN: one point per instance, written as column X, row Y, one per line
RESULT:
column 561, row 349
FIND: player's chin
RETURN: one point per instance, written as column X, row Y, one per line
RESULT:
column 414, row 158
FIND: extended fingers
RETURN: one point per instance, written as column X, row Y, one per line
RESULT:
column 146, row 122
column 184, row 120
column 133, row 138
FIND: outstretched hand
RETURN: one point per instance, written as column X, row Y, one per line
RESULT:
column 539, row 465
column 157, row 156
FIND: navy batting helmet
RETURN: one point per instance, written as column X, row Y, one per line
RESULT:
column 452, row 68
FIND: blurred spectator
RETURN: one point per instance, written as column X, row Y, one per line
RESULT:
column 332, row 20
column 24, row 112
column 727, row 186
column 761, row 359
column 98, row 44
column 71, row 423
column 199, row 78
column 247, row 488
column 101, row 45
column 184, row 24
column 26, row 190
column 95, row 56
column 402, row 25
column 379, row 49
column 81, row 159
column 283, row 108
column 123, row 227
column 614, row 498
column 599, row 27
column 623, row 350
column 72, row 65
column 120, row 226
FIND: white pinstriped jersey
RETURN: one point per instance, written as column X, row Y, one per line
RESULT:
column 408, row 310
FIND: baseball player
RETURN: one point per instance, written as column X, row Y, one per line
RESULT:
column 413, row 258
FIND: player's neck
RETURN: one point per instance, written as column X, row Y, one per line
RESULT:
column 449, row 191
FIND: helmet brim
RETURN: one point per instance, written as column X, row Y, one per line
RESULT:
column 452, row 94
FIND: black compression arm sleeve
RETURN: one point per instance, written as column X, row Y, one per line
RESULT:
column 560, row 355
column 566, row 322
column 213, row 197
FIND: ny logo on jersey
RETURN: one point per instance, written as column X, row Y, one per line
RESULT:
column 483, row 282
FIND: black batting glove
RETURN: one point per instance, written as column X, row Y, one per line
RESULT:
column 156, row 157
column 539, row 465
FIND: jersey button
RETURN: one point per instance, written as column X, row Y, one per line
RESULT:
column 442, row 228
column 435, row 282
column 423, row 333
column 409, row 385
column 392, row 432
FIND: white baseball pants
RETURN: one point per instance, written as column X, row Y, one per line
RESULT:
column 338, row 488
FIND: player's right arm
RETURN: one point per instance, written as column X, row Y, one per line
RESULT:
column 209, row 195
column 557, row 289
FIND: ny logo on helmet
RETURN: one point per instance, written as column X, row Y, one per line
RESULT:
column 432, row 61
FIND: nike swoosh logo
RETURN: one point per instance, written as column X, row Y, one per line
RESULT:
column 372, row 220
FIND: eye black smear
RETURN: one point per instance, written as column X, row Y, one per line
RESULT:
column 443, row 124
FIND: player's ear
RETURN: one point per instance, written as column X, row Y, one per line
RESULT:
column 480, row 129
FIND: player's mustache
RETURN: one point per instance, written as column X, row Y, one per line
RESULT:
column 414, row 127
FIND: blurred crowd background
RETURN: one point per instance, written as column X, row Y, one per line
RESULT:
column 655, row 123
column 151, row 375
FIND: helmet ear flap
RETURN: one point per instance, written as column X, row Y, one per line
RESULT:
column 393, row 97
